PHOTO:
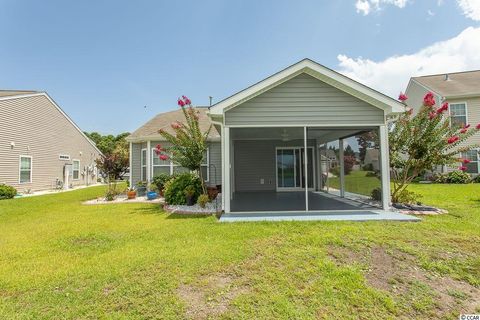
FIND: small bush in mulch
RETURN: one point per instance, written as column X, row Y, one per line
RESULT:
column 7, row 192
column 175, row 188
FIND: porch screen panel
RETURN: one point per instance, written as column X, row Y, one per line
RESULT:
column 286, row 168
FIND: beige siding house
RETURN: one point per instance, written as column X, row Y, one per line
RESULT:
column 269, row 141
column 39, row 143
column 462, row 91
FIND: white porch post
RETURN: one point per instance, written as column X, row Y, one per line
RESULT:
column 305, row 162
column 342, row 168
column 130, row 152
column 318, row 164
column 385, row 166
column 226, row 153
column 149, row 161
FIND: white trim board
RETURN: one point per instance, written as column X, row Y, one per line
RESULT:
column 318, row 71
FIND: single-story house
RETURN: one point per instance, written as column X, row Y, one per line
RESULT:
column 266, row 146
column 462, row 92
column 40, row 146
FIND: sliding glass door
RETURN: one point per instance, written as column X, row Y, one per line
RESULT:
column 290, row 168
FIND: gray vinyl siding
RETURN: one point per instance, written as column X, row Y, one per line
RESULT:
column 255, row 160
column 38, row 129
column 215, row 150
column 304, row 100
column 215, row 154
column 415, row 94
column 136, row 170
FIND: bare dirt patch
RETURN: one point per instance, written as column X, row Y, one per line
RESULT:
column 398, row 273
column 211, row 296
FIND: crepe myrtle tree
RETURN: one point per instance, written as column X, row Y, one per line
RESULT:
column 188, row 142
column 423, row 141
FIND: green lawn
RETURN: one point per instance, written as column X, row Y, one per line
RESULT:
column 61, row 259
column 357, row 182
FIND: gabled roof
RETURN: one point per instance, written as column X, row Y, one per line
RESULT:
column 452, row 84
column 6, row 93
column 17, row 94
column 318, row 71
column 164, row 120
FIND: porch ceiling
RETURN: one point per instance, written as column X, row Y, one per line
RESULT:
column 294, row 133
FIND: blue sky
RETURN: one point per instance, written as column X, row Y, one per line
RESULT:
column 103, row 61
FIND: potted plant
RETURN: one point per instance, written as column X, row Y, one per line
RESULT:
column 189, row 195
column 152, row 194
column 141, row 188
column 160, row 181
column 131, row 193
column 212, row 192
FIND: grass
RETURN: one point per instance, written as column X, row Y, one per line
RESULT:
column 357, row 182
column 62, row 259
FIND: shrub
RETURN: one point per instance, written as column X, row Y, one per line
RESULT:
column 174, row 188
column 476, row 179
column 406, row 196
column 457, row 177
column 368, row 167
column 348, row 163
column 161, row 180
column 7, row 192
column 202, row 200
column 376, row 194
column 370, row 174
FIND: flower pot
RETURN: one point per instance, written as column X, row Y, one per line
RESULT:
column 190, row 200
column 152, row 195
column 212, row 192
column 131, row 194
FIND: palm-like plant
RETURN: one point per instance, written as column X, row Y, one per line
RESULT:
column 188, row 144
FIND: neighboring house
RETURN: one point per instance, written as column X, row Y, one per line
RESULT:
column 268, row 139
column 40, row 146
column 462, row 91
column 372, row 157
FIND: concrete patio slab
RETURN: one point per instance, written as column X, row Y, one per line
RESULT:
column 358, row 215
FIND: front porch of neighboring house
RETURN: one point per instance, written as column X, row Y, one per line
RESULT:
column 269, row 170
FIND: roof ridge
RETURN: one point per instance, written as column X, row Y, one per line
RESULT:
column 444, row 73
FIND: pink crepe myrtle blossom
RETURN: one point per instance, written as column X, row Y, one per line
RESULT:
column 477, row 126
column 465, row 128
column 443, row 108
column 163, row 157
column 429, row 100
column 180, row 103
column 186, row 100
column 453, row 139
column 466, row 161
column 402, row 97
column 176, row 125
column 432, row 115
column 462, row 168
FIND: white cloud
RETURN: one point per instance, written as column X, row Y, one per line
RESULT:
column 470, row 8
column 367, row 6
column 391, row 75
column 430, row 13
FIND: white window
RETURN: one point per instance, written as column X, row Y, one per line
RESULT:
column 76, row 169
column 458, row 113
column 471, row 155
column 64, row 157
column 143, row 162
column 167, row 166
column 25, row 169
